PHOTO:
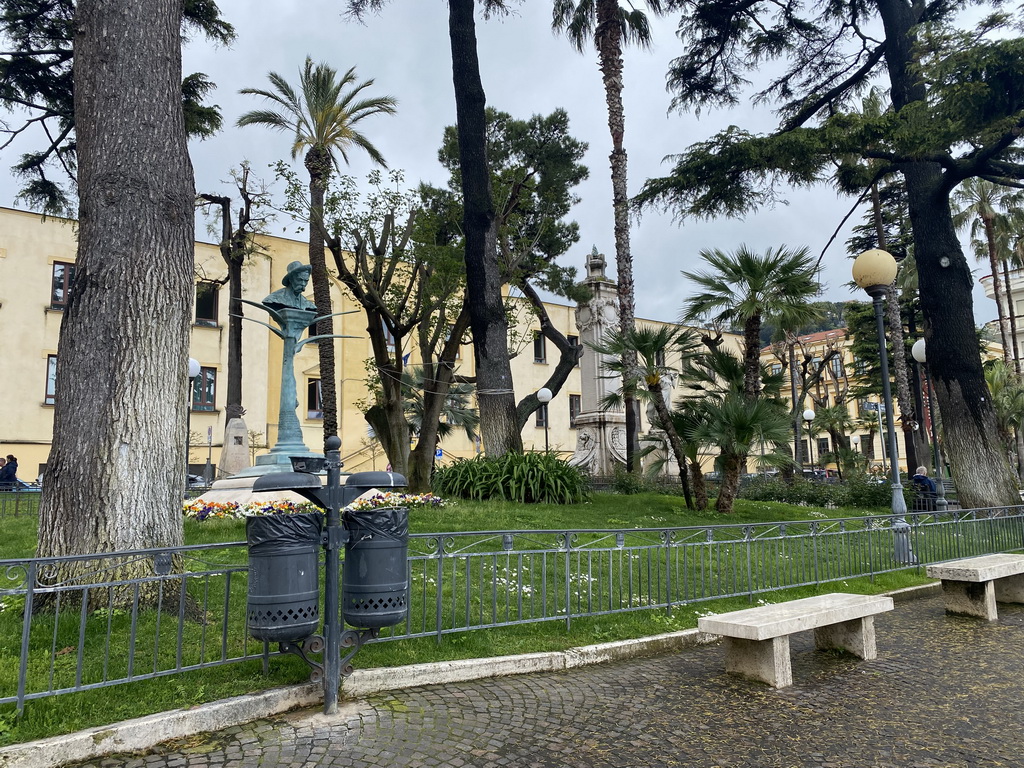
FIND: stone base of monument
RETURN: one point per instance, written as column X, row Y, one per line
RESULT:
column 600, row 442
column 237, row 489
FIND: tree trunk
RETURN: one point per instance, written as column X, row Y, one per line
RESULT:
column 700, row 486
column 1011, row 307
column 798, row 459
column 730, row 483
column 489, row 324
column 608, row 37
column 997, row 289
column 908, row 417
column 752, row 357
column 661, row 408
column 114, row 476
column 980, row 468
column 318, row 163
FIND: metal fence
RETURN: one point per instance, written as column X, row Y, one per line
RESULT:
column 19, row 502
column 71, row 624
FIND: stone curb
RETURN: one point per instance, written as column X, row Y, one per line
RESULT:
column 144, row 733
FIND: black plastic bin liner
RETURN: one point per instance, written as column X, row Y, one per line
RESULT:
column 284, row 576
column 375, row 575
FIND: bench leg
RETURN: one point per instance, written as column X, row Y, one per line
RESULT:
column 856, row 637
column 764, row 660
column 970, row 598
column 1010, row 589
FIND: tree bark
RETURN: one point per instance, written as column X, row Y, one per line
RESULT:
column 608, row 37
column 730, row 482
column 488, row 322
column 907, row 414
column 700, row 487
column 318, row 163
column 661, row 407
column 114, row 476
column 1011, row 309
column 997, row 289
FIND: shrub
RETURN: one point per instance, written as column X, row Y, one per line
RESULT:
column 856, row 490
column 528, row 478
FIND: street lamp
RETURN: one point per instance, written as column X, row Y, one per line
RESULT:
column 919, row 354
column 873, row 271
column 809, row 417
column 194, row 369
column 544, row 395
column 855, row 442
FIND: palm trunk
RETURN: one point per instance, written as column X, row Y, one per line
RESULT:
column 114, row 476
column 904, row 399
column 700, row 486
column 318, row 163
column 752, row 357
column 731, row 464
column 673, row 437
column 608, row 36
column 1011, row 307
column 495, row 393
column 997, row 289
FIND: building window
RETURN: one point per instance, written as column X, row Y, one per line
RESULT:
column 659, row 358
column 837, row 366
column 575, row 406
column 63, row 277
column 776, row 369
column 860, row 366
column 822, row 446
column 389, row 339
column 314, row 402
column 204, row 390
column 206, row 303
column 867, row 445
column 542, row 415
column 51, row 380
column 575, row 342
column 540, row 348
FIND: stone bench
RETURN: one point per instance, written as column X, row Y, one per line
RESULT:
column 973, row 585
column 757, row 639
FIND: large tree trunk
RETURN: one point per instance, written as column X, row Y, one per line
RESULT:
column 730, row 482
column 608, row 37
column 318, row 163
column 980, row 468
column 489, row 324
column 113, row 479
column 700, row 486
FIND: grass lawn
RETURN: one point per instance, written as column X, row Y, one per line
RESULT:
column 70, row 712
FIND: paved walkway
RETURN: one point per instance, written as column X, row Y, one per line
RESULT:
column 945, row 692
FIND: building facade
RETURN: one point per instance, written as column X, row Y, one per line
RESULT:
column 37, row 267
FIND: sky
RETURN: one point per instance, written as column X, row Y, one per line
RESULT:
column 526, row 69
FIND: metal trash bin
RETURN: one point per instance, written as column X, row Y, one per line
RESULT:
column 284, row 576
column 375, row 577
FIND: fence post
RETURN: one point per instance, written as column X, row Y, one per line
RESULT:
column 439, row 604
column 747, row 537
column 26, row 634
column 568, row 586
column 666, row 539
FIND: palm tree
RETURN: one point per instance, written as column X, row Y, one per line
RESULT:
column 979, row 202
column 611, row 26
column 323, row 115
column 1007, row 392
column 750, row 289
column 649, row 347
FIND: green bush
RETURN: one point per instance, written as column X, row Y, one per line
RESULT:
column 857, row 490
column 527, row 478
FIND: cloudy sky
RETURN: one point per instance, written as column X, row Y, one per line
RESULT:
column 526, row 69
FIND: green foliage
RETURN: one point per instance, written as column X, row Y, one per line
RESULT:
column 528, row 478
column 857, row 490
column 36, row 73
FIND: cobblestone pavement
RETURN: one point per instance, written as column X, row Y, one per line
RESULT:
column 945, row 692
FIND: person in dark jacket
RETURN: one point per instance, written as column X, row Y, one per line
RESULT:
column 924, row 490
column 9, row 473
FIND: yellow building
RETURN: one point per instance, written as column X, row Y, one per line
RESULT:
column 37, row 261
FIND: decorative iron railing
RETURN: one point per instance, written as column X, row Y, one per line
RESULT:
column 76, row 623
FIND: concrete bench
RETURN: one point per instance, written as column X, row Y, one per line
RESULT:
column 757, row 639
column 973, row 585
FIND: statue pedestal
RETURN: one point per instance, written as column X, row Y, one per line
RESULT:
column 600, row 442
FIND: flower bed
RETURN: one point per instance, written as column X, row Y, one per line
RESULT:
column 212, row 510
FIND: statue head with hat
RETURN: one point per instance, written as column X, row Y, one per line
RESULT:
column 295, row 280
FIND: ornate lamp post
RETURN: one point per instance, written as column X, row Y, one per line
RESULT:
column 545, row 395
column 919, row 354
column 809, row 417
column 873, row 271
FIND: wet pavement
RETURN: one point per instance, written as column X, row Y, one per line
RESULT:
column 945, row 692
